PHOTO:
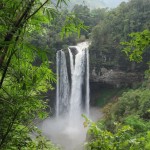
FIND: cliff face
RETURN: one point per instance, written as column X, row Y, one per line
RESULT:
column 108, row 63
column 107, row 84
column 116, row 78
column 114, row 68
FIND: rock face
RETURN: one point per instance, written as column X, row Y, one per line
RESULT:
column 117, row 78
column 107, row 81
column 73, row 50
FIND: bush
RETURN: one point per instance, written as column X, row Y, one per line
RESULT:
column 138, row 124
column 123, row 138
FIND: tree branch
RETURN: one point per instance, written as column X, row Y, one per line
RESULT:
column 16, row 26
column 8, row 62
column 9, row 127
column 37, row 10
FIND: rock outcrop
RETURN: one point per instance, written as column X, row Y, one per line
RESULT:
column 116, row 78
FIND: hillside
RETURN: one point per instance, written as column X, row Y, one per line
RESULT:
column 97, row 3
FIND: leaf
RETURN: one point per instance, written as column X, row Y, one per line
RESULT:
column 135, row 48
column 24, row 86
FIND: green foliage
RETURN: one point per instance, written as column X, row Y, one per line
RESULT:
column 121, row 139
column 63, row 30
column 131, row 110
column 135, row 48
column 67, row 28
column 107, row 95
column 21, row 98
column 25, row 75
column 137, row 123
column 134, row 102
column 89, row 17
column 21, row 139
column 72, row 24
column 113, row 28
column 126, row 124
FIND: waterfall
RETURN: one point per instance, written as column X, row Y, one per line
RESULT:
column 77, row 81
column 71, row 101
column 57, row 87
column 87, row 84
column 62, row 89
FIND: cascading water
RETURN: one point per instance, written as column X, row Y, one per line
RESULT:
column 62, row 91
column 79, row 68
column 87, row 84
column 77, row 81
column 71, row 62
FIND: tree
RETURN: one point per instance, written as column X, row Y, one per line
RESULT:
column 122, row 138
column 126, row 124
column 23, row 83
column 139, row 43
column 113, row 29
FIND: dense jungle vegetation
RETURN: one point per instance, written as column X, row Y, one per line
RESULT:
column 106, row 50
column 126, row 122
column 31, row 31
column 25, row 74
